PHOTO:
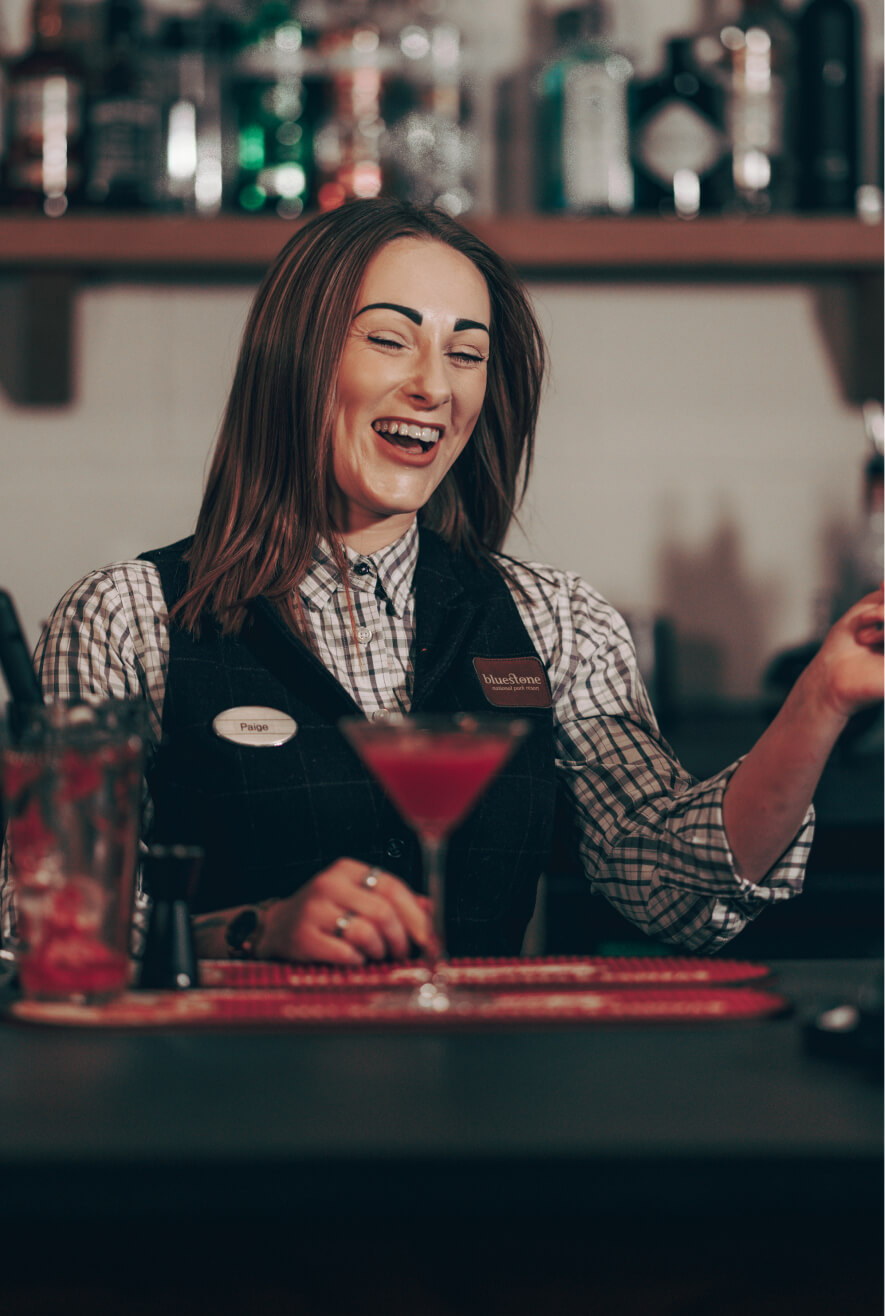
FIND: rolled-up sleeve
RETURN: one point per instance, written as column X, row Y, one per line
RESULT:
column 651, row 837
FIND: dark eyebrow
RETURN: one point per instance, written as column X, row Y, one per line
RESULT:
column 416, row 317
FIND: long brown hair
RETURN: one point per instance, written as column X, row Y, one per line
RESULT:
column 269, row 492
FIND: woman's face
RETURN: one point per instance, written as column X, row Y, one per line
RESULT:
column 411, row 385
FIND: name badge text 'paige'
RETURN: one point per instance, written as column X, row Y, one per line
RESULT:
column 253, row 725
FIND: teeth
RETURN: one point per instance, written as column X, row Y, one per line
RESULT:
column 424, row 433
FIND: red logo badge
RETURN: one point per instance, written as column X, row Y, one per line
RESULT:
column 514, row 682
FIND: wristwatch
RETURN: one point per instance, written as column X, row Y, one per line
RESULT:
column 242, row 933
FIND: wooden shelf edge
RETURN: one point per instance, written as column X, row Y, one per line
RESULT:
column 230, row 244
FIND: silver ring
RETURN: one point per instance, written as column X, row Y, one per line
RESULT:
column 370, row 881
column 342, row 923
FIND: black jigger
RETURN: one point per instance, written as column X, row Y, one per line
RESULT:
column 170, row 875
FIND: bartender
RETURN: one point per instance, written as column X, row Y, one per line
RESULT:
column 377, row 440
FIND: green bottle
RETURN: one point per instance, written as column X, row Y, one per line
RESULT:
column 583, row 149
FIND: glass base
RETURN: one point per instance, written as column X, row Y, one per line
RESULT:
column 436, row 996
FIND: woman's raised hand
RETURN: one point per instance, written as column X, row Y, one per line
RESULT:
column 846, row 674
column 348, row 914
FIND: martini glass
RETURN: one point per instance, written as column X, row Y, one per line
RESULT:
column 434, row 769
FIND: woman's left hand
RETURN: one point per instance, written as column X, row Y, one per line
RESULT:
column 847, row 671
column 769, row 793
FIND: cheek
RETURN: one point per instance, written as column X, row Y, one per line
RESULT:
column 474, row 394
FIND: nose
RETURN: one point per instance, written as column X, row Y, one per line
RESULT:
column 428, row 385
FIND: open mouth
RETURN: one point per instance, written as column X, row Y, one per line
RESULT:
column 408, row 436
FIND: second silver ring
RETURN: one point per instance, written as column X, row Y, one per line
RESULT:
column 342, row 923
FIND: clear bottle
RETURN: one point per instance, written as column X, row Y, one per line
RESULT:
column 191, row 173
column 124, row 120
column 760, row 81
column 349, row 141
column 45, row 95
column 429, row 149
column 583, row 133
column 679, row 145
column 828, row 37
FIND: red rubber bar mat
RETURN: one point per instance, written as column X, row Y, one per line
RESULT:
column 564, row 971
column 367, row 1009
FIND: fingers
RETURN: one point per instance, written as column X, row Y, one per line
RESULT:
column 868, row 625
column 392, row 906
column 389, row 932
column 407, row 915
column 335, row 918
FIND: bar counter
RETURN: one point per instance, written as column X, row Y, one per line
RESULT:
column 714, row 1169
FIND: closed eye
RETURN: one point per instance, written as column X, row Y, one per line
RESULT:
column 467, row 358
column 384, row 342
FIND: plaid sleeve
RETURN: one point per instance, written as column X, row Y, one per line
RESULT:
column 652, row 839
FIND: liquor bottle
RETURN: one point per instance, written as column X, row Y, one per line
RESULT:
column 760, row 80
column 583, row 134
column 516, row 119
column 430, row 153
column 828, row 100
column 45, row 93
column 275, row 94
column 679, row 146
column 124, row 121
column 348, row 142
column 191, row 172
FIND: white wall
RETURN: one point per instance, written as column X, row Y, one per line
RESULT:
column 695, row 455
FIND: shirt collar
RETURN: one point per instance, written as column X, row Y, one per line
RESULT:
column 391, row 572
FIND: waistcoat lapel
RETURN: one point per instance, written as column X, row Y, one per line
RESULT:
column 446, row 605
column 285, row 656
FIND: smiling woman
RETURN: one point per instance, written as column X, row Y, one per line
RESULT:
column 347, row 561
column 411, row 385
column 316, row 347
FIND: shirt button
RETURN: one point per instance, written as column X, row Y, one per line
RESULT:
column 364, row 635
column 380, row 715
column 362, row 569
column 394, row 847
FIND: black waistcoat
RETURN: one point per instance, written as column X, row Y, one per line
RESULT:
column 269, row 818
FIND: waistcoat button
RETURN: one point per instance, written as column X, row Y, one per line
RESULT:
column 394, row 847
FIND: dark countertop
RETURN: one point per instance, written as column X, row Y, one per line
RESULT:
column 534, row 1135
column 89, row 1101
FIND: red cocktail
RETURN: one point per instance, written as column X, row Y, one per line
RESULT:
column 434, row 780
column 434, row 769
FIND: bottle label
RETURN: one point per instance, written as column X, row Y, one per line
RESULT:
column 676, row 137
column 596, row 171
column 755, row 119
column 43, row 106
column 137, row 113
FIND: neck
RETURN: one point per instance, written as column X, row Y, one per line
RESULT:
column 370, row 538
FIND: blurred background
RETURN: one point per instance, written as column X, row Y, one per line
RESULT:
column 710, row 446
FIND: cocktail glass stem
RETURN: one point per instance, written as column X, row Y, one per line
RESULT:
column 433, row 995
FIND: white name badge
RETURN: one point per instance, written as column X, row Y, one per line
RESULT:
column 253, row 725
